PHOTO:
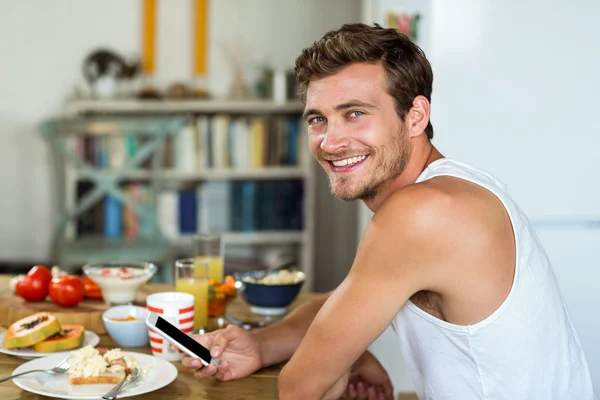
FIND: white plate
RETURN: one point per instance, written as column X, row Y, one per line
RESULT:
column 90, row 338
column 159, row 374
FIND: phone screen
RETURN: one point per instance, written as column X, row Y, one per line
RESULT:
column 183, row 339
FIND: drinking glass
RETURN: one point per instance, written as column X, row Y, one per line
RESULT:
column 191, row 276
column 209, row 248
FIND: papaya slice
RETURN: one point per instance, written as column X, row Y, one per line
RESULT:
column 31, row 330
column 69, row 337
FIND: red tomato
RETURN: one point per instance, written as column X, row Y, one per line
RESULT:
column 32, row 289
column 40, row 272
column 67, row 290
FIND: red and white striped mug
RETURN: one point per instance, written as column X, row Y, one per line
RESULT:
column 178, row 309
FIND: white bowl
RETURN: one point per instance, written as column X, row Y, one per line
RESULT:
column 127, row 333
column 120, row 282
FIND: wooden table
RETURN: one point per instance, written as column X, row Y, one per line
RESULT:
column 261, row 385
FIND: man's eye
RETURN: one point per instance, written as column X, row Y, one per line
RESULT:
column 316, row 120
column 356, row 113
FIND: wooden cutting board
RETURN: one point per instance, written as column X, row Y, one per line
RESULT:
column 87, row 313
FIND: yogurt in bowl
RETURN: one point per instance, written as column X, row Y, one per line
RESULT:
column 120, row 282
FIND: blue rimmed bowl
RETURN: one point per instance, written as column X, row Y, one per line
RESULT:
column 270, row 292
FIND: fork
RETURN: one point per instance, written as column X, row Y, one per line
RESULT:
column 114, row 392
column 60, row 368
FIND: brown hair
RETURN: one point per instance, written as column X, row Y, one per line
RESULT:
column 407, row 70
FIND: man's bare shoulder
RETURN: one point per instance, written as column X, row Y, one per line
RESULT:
column 445, row 214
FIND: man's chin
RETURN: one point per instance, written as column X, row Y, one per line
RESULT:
column 346, row 195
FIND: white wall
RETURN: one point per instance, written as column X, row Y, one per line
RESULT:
column 516, row 92
column 42, row 46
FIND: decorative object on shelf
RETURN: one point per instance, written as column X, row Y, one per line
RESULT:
column 200, row 84
column 148, row 90
column 235, row 54
column 278, row 85
column 105, row 72
column 404, row 22
column 179, row 91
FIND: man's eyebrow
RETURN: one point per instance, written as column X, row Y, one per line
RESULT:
column 340, row 107
column 353, row 103
column 312, row 111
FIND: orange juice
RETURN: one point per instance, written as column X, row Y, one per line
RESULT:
column 198, row 287
column 215, row 266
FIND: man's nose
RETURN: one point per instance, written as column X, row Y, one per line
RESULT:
column 335, row 139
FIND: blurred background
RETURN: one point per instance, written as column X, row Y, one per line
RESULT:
column 515, row 93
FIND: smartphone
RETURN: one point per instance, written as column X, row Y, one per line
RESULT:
column 179, row 339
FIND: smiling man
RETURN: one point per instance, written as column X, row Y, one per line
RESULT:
column 448, row 259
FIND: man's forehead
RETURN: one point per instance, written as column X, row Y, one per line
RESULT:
column 342, row 87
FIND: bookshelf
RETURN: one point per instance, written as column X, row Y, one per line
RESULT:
column 270, row 177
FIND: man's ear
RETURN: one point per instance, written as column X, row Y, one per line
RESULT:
column 418, row 116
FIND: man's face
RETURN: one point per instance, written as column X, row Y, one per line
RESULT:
column 354, row 131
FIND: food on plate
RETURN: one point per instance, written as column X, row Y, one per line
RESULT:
column 34, row 285
column 283, row 277
column 90, row 365
column 69, row 337
column 31, row 330
column 66, row 290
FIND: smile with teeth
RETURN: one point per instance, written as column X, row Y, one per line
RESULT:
column 348, row 161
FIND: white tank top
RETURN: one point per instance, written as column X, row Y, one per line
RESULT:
column 527, row 349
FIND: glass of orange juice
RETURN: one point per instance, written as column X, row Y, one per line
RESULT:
column 209, row 248
column 191, row 276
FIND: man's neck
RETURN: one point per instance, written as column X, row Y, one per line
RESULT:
column 420, row 158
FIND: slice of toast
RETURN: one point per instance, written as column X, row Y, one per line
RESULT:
column 107, row 370
column 104, row 378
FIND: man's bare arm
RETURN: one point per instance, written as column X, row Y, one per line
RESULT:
column 400, row 254
column 279, row 341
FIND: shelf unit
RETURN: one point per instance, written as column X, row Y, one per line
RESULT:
column 304, row 171
column 218, row 174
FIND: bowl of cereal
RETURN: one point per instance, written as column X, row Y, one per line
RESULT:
column 270, row 292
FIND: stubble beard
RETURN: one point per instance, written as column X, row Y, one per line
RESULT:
column 386, row 166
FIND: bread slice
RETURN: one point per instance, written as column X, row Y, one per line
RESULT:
column 104, row 378
column 107, row 367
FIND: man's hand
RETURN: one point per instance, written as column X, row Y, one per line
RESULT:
column 237, row 349
column 368, row 380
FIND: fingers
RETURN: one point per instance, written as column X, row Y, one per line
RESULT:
column 362, row 390
column 223, row 337
column 359, row 390
column 388, row 390
column 205, row 372
column 371, row 393
column 220, row 373
column 352, row 391
column 205, row 340
column 223, row 372
column 384, row 394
